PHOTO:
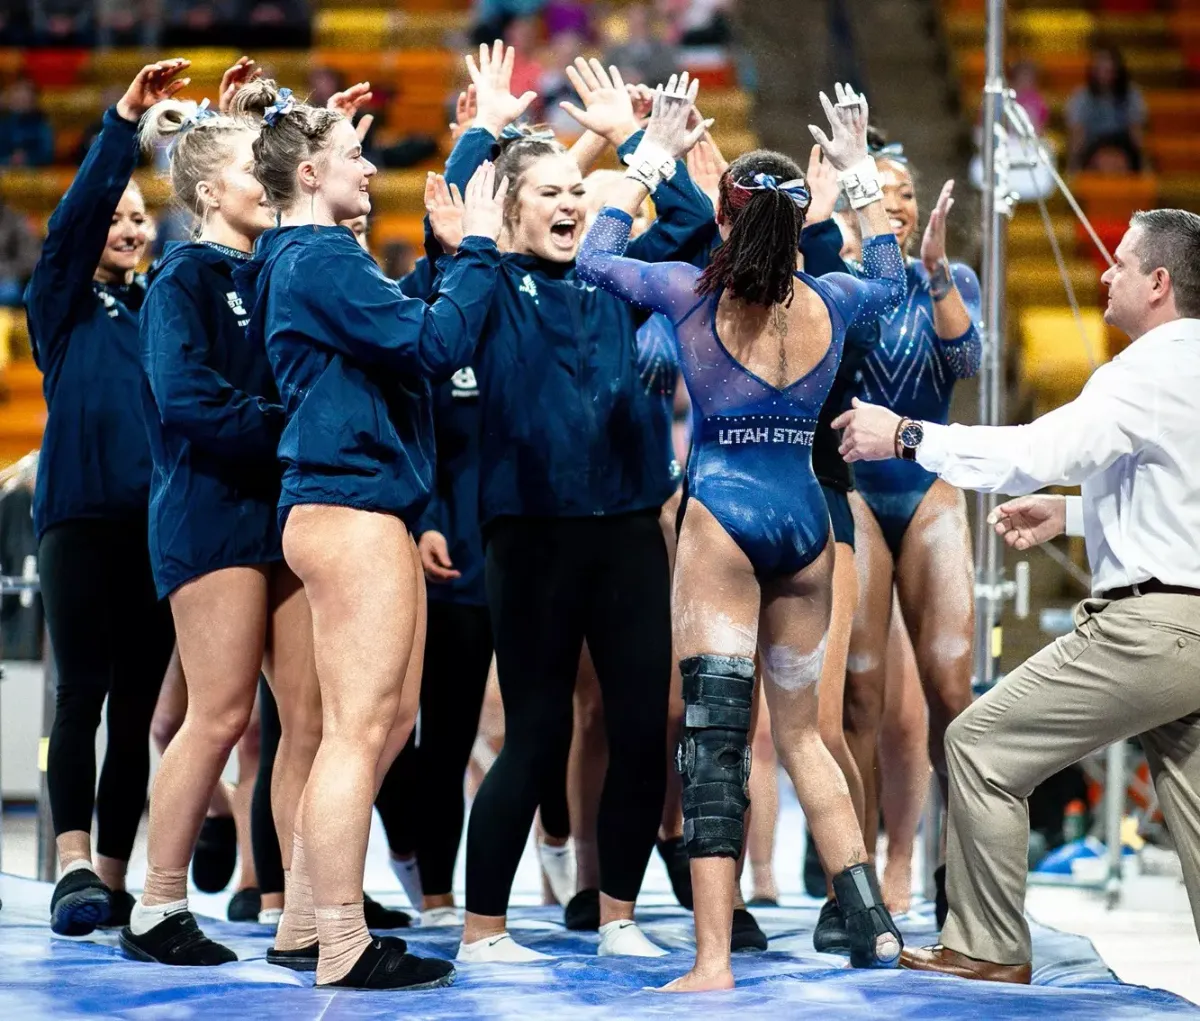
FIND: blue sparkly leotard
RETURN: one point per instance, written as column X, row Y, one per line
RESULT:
column 751, row 460
column 913, row 371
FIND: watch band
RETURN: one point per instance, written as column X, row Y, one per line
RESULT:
column 896, row 448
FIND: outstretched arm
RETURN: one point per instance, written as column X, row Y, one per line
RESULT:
column 955, row 293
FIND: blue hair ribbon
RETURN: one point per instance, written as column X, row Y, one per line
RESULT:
column 795, row 189
column 514, row 133
column 893, row 151
column 282, row 106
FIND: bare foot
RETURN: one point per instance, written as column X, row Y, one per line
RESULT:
column 700, row 982
column 896, row 886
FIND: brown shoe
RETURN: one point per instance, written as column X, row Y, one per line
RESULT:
column 951, row 962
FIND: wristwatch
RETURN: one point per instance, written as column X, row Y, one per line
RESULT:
column 909, row 434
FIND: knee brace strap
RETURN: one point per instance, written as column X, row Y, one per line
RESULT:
column 714, row 755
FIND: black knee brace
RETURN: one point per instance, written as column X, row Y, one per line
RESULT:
column 714, row 753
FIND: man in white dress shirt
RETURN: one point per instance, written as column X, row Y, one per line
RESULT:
column 1132, row 664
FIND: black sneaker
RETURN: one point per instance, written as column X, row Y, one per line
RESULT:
column 941, row 905
column 300, row 959
column 121, row 904
column 177, row 939
column 387, row 964
column 679, row 869
column 830, row 935
column 814, row 872
column 582, row 913
column 380, row 917
column 80, row 903
column 244, row 905
column 215, row 856
column 746, row 936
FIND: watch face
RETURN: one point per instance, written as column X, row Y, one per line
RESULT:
column 912, row 435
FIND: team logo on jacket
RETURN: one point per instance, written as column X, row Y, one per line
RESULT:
column 236, row 307
column 529, row 287
column 463, row 383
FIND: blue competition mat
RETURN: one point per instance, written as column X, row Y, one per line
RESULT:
column 42, row 977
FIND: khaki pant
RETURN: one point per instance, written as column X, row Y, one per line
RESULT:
column 1130, row 667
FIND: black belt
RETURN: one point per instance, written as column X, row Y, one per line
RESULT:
column 1145, row 588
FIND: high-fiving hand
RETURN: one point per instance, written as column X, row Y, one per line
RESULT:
column 673, row 108
column 243, row 71
column 483, row 204
column 153, row 83
column 848, row 125
column 492, row 78
column 608, row 107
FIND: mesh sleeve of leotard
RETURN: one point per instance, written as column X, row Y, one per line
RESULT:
column 881, row 288
column 667, row 287
column 963, row 355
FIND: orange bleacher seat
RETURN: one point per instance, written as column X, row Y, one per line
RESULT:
column 1174, row 154
column 1114, row 197
column 1172, row 111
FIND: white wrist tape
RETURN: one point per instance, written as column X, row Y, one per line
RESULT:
column 861, row 183
column 650, row 164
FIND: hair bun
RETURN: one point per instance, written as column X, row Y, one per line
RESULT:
column 254, row 98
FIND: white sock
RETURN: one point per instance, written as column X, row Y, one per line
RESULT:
column 409, row 873
column 440, row 916
column 502, row 949
column 144, row 917
column 270, row 916
column 559, row 865
column 76, row 865
column 624, row 938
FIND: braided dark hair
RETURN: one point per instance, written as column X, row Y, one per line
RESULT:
column 757, row 261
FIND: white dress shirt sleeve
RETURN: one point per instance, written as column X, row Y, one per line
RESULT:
column 1109, row 419
column 1074, row 517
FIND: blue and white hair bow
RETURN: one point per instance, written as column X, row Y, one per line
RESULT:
column 282, row 106
column 893, row 151
column 795, row 189
column 513, row 133
column 197, row 116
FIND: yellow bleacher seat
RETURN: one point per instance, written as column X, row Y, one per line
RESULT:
column 1055, row 360
column 1036, row 281
column 1027, row 235
column 363, row 28
column 1051, row 29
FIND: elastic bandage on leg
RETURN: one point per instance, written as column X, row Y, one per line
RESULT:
column 298, row 925
column 713, row 756
column 164, row 886
column 344, row 936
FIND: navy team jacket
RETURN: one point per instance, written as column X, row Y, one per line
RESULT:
column 352, row 357
column 562, row 405
column 214, row 420
column 95, row 460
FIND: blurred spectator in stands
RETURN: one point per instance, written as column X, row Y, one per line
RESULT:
column 554, row 87
column 15, row 28
column 1113, row 154
column 1109, row 105
column 26, row 138
column 522, row 34
column 199, row 22
column 276, row 24
column 491, row 17
column 19, row 248
column 108, row 98
column 399, row 258
column 62, row 23
column 640, row 51
column 570, row 16
column 1023, row 79
column 323, row 82
column 697, row 22
column 127, row 22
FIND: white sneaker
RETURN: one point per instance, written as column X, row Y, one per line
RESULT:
column 560, row 867
column 624, row 938
column 502, row 949
column 270, row 916
column 440, row 916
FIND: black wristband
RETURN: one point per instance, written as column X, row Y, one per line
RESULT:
column 940, row 281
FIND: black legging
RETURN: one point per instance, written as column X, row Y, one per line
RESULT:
column 421, row 800
column 111, row 637
column 264, row 841
column 552, row 582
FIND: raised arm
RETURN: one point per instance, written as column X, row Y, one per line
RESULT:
column 78, row 229
column 955, row 293
column 192, row 397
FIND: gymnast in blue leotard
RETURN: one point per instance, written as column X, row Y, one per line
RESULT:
column 912, row 529
column 759, row 346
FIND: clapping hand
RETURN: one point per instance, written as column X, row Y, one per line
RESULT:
column 673, row 108
column 822, row 183
column 483, row 204
column 608, row 108
column 242, row 72
column 444, row 205
column 933, row 244
column 349, row 102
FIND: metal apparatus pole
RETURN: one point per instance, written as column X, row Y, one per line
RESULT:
column 997, row 207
